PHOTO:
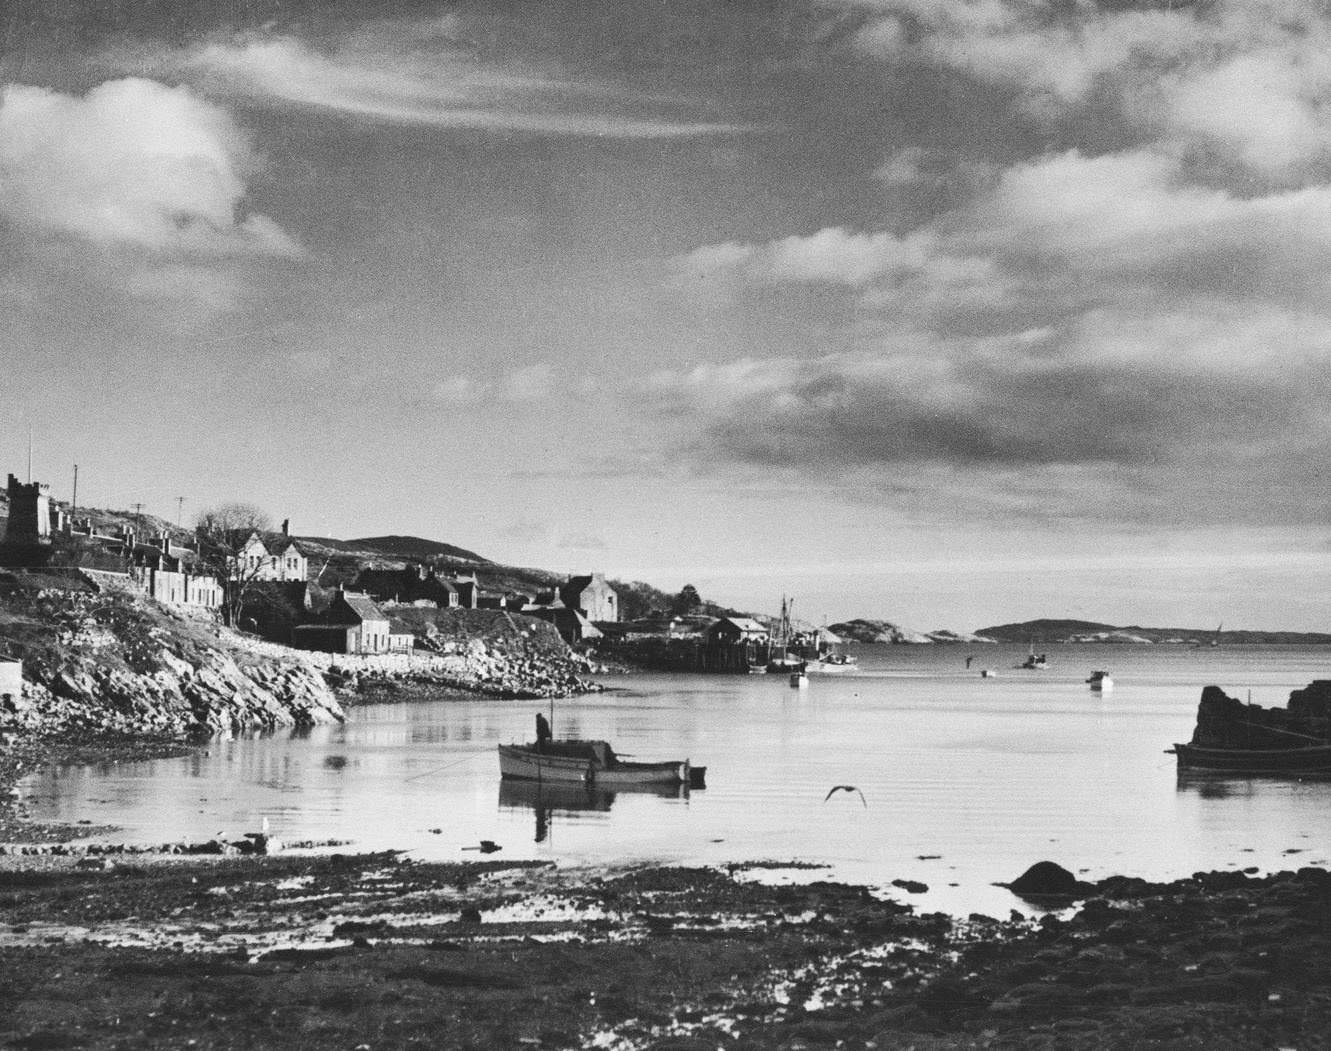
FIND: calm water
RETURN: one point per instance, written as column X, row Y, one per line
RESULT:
column 967, row 780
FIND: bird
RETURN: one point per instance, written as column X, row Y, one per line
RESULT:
column 845, row 788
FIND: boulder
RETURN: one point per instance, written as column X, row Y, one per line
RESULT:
column 1046, row 879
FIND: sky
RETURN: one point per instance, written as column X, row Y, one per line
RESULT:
column 945, row 312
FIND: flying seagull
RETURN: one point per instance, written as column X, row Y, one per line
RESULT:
column 845, row 788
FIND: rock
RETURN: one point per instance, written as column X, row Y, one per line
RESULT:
column 1046, row 879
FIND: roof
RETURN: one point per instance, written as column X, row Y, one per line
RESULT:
column 745, row 624
column 361, row 606
column 280, row 543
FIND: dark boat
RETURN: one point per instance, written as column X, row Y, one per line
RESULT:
column 1307, row 761
column 1243, row 739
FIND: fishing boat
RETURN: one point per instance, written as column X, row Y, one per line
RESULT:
column 1034, row 661
column 781, row 660
column 832, row 664
column 1100, row 681
column 1304, row 761
column 1244, row 739
column 589, row 763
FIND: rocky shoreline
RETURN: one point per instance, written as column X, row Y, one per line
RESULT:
column 113, row 664
column 376, row 951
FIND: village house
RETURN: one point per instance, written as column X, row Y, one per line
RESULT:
column 571, row 625
column 591, row 596
column 732, row 630
column 352, row 623
column 38, row 532
column 271, row 556
column 468, row 589
column 411, row 585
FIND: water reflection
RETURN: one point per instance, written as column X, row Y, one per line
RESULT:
column 547, row 799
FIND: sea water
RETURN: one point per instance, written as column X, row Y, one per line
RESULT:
column 956, row 780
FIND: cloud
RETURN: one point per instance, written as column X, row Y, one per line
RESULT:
column 417, row 74
column 150, row 180
column 1055, row 237
column 1041, row 424
column 131, row 163
column 1097, row 321
column 1247, row 79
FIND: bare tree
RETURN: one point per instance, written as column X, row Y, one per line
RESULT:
column 224, row 532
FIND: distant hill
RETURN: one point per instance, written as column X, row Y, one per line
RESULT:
column 1045, row 632
column 413, row 547
column 862, row 630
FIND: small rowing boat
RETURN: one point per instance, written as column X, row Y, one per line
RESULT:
column 590, row 763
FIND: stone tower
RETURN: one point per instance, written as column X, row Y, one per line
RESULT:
column 29, row 513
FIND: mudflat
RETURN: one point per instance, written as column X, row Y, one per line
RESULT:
column 375, row 951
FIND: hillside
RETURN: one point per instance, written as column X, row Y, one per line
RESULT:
column 415, row 548
column 1047, row 631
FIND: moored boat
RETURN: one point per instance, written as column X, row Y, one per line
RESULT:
column 1100, row 680
column 832, row 664
column 1307, row 761
column 588, row 763
column 1243, row 739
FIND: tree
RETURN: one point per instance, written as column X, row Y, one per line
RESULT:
column 223, row 533
column 687, row 601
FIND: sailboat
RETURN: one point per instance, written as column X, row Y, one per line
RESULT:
column 1216, row 641
column 1034, row 661
column 780, row 659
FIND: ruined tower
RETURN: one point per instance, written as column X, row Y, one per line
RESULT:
column 29, row 513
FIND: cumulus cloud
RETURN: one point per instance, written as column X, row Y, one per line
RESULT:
column 1057, row 236
column 417, row 74
column 1094, row 405
column 1249, row 79
column 1100, row 315
column 152, row 179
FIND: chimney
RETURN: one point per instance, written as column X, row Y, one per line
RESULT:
column 286, row 527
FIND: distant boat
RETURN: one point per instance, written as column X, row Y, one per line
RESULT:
column 832, row 664
column 589, row 763
column 780, row 660
column 1100, row 681
column 798, row 679
column 1034, row 661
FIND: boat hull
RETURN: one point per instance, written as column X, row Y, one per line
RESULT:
column 1270, row 762
column 829, row 668
column 526, row 763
